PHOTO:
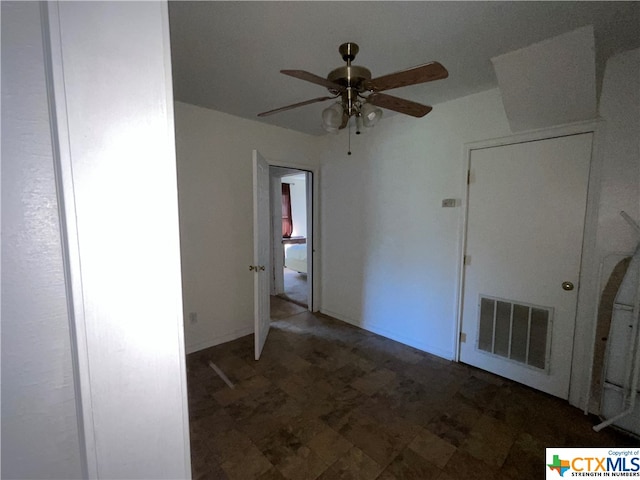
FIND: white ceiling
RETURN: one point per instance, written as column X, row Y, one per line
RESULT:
column 227, row 55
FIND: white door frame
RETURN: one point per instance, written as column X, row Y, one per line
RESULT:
column 314, row 209
column 276, row 276
column 104, row 316
column 587, row 301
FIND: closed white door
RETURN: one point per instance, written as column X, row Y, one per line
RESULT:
column 525, row 222
column 261, row 249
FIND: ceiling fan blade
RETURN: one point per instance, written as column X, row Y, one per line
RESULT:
column 399, row 104
column 310, row 77
column 295, row 105
column 411, row 76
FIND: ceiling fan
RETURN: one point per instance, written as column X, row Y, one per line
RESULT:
column 359, row 94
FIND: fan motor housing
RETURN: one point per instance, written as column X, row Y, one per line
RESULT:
column 350, row 76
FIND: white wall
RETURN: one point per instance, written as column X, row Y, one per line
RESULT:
column 39, row 423
column 215, row 196
column 390, row 251
column 620, row 109
column 551, row 82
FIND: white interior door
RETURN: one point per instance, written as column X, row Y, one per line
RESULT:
column 525, row 222
column 261, row 251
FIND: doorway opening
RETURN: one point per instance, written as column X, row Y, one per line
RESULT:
column 292, row 235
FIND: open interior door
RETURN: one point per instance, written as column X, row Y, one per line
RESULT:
column 261, row 251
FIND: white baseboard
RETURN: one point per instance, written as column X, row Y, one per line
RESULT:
column 212, row 342
column 385, row 332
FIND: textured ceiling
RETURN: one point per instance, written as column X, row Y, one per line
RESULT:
column 227, row 55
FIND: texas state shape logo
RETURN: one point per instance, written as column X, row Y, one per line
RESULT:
column 560, row 466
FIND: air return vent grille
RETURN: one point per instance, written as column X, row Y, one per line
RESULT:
column 515, row 331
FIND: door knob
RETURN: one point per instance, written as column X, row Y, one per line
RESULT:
column 567, row 286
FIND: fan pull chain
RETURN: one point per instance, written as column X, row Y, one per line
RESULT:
column 349, row 152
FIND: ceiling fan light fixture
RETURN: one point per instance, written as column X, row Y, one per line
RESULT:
column 360, row 94
column 370, row 115
column 332, row 117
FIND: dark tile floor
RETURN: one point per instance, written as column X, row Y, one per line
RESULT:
column 330, row 401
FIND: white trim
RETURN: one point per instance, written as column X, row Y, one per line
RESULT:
column 535, row 135
column 311, row 244
column 212, row 342
column 63, row 167
column 596, row 127
column 277, row 254
column 76, row 276
column 171, row 147
column 588, row 296
column 221, row 374
column 462, row 246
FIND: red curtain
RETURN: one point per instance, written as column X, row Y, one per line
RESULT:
column 287, row 219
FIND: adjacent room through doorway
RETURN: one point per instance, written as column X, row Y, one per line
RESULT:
column 291, row 234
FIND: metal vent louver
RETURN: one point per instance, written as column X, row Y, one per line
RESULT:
column 516, row 331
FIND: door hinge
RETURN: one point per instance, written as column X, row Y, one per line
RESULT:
column 468, row 177
column 463, row 337
column 467, row 260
